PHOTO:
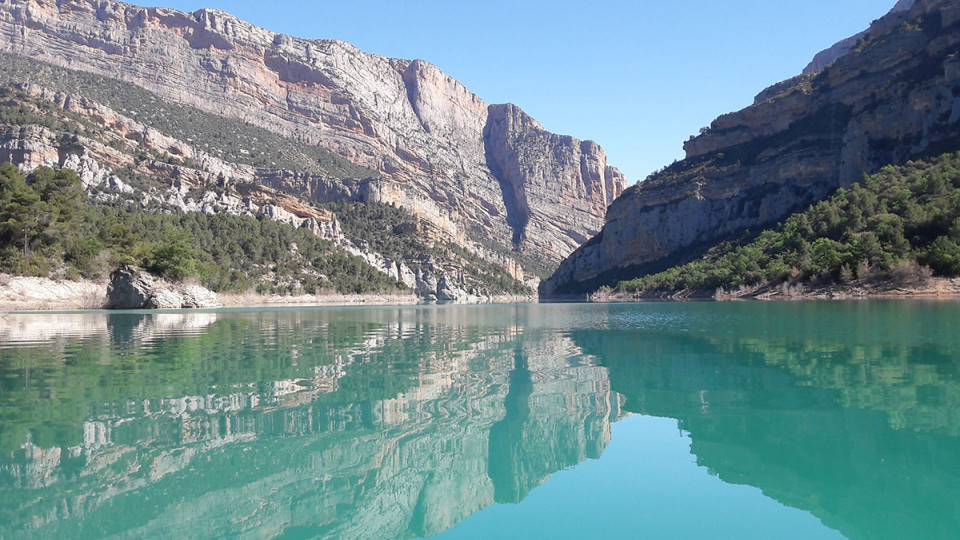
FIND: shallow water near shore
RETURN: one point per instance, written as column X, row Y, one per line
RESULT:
column 660, row 420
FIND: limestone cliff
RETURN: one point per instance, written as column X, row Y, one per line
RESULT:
column 438, row 148
column 161, row 173
column 891, row 98
column 828, row 56
column 534, row 167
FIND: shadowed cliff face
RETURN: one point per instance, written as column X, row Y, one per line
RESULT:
column 421, row 130
column 893, row 97
column 533, row 166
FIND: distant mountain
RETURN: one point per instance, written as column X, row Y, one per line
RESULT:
column 208, row 102
column 891, row 98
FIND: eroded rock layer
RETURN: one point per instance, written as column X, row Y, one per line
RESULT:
column 440, row 150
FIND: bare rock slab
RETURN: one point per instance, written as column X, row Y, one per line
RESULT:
column 134, row 288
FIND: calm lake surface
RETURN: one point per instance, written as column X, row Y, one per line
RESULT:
column 695, row 420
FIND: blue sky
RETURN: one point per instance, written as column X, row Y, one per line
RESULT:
column 637, row 76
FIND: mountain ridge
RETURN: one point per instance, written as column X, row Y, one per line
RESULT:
column 418, row 129
column 890, row 99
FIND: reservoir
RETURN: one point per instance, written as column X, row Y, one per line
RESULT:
column 655, row 420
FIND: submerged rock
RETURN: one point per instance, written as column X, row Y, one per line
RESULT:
column 134, row 288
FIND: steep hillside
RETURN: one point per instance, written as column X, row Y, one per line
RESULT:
column 132, row 171
column 891, row 98
column 900, row 226
column 487, row 177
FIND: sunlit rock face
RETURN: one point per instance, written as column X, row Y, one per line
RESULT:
column 891, row 98
column 534, row 168
column 407, row 121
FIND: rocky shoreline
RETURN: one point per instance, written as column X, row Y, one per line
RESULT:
column 933, row 288
column 44, row 294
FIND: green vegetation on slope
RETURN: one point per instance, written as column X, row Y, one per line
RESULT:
column 396, row 234
column 388, row 230
column 49, row 227
column 889, row 226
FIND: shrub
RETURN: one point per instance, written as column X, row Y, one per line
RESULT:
column 174, row 260
column 910, row 273
column 943, row 256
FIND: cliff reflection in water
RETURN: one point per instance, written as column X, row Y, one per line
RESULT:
column 850, row 411
column 393, row 423
column 383, row 423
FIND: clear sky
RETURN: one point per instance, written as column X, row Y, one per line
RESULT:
column 637, row 76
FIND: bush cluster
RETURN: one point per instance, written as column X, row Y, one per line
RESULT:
column 396, row 234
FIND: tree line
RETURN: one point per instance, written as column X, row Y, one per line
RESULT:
column 49, row 227
column 900, row 223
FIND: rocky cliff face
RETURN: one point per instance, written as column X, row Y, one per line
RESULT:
column 133, row 288
column 828, row 56
column 534, row 168
column 440, row 150
column 891, row 98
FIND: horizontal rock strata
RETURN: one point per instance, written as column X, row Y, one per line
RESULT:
column 477, row 171
column 892, row 98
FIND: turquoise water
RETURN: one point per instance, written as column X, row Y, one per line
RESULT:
column 700, row 420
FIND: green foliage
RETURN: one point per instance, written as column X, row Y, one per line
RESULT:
column 174, row 258
column 943, row 256
column 49, row 227
column 238, row 253
column 38, row 216
column 907, row 214
column 390, row 231
column 396, row 234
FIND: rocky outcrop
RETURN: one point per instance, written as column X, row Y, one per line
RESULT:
column 828, row 56
column 437, row 284
column 132, row 288
column 534, row 168
column 441, row 151
column 33, row 293
column 203, row 189
column 251, row 192
column 891, row 99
